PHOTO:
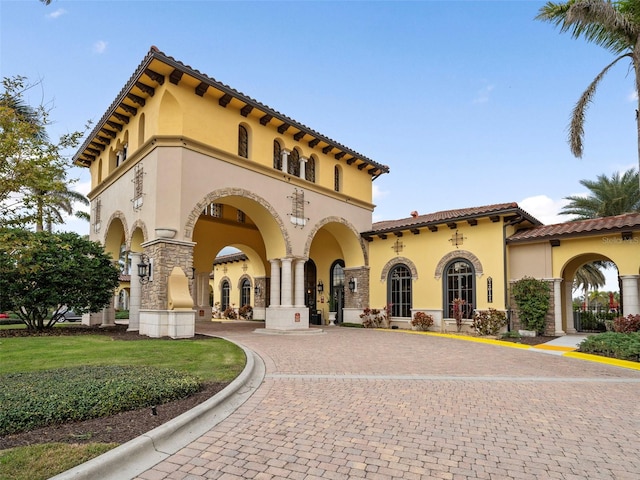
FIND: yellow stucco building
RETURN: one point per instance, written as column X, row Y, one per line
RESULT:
column 183, row 166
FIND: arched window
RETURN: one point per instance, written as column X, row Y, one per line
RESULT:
column 399, row 293
column 277, row 155
column 293, row 166
column 245, row 293
column 224, row 300
column 243, row 141
column 336, row 301
column 141, row 130
column 310, row 170
column 337, row 181
column 459, row 284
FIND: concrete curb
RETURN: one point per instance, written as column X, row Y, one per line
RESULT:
column 140, row 454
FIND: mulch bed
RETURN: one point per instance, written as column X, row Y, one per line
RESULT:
column 118, row 428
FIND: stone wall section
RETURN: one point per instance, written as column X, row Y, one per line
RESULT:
column 549, row 321
column 360, row 298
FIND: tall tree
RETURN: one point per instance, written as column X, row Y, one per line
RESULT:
column 614, row 25
column 29, row 161
column 607, row 197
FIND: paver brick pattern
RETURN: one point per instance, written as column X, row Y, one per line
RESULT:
column 356, row 403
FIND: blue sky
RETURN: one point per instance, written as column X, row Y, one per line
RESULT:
column 467, row 101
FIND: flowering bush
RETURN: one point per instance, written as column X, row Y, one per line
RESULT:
column 489, row 322
column 230, row 313
column 422, row 320
column 628, row 324
column 373, row 318
column 246, row 312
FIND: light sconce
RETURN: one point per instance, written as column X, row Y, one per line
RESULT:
column 144, row 269
column 257, row 290
column 320, row 287
column 352, row 284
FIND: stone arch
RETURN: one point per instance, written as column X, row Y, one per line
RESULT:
column 398, row 261
column 261, row 222
column 475, row 261
column 345, row 224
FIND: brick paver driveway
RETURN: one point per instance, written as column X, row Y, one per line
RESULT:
column 356, row 403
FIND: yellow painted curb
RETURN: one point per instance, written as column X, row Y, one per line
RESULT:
column 463, row 337
column 555, row 348
column 606, row 360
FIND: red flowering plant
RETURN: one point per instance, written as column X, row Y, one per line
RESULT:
column 457, row 312
column 422, row 320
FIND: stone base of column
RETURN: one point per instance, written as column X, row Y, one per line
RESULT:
column 108, row 317
column 288, row 320
column 259, row 313
column 559, row 333
column 167, row 323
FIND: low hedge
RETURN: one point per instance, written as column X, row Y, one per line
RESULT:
column 624, row 346
column 36, row 399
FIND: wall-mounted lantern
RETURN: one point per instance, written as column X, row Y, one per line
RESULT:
column 144, row 269
column 320, row 287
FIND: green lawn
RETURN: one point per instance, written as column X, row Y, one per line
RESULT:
column 211, row 360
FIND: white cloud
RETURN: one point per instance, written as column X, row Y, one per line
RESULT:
column 633, row 96
column 545, row 209
column 59, row 12
column 378, row 194
column 99, row 47
column 483, row 94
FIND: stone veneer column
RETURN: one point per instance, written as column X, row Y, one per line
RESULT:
column 260, row 300
column 134, row 294
column 360, row 298
column 164, row 254
column 286, row 283
column 275, row 282
column 557, row 306
column 299, row 283
column 630, row 303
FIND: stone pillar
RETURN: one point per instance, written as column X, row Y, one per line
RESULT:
column 357, row 300
column 285, row 160
column 630, row 303
column 275, row 282
column 286, row 283
column 134, row 294
column 299, row 283
column 303, row 166
column 557, row 306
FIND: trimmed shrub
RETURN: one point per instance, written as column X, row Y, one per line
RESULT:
column 37, row 399
column 628, row 324
column 624, row 346
column 489, row 322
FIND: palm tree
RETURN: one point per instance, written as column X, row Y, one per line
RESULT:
column 612, row 25
column 50, row 205
column 607, row 197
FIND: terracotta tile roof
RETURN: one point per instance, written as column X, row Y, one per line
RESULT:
column 451, row 215
column 230, row 258
column 155, row 54
column 618, row 223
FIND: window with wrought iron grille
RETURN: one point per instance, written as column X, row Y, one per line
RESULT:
column 213, row 210
column 277, row 155
column 336, row 178
column 240, row 216
column 297, row 208
column 310, row 170
column 96, row 215
column 138, row 176
column 243, row 142
column 293, row 166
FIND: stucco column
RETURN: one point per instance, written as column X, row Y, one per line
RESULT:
column 303, row 166
column 557, row 306
column 299, row 283
column 275, row 282
column 134, row 294
column 286, row 283
column 285, row 160
column 568, row 307
column 630, row 304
